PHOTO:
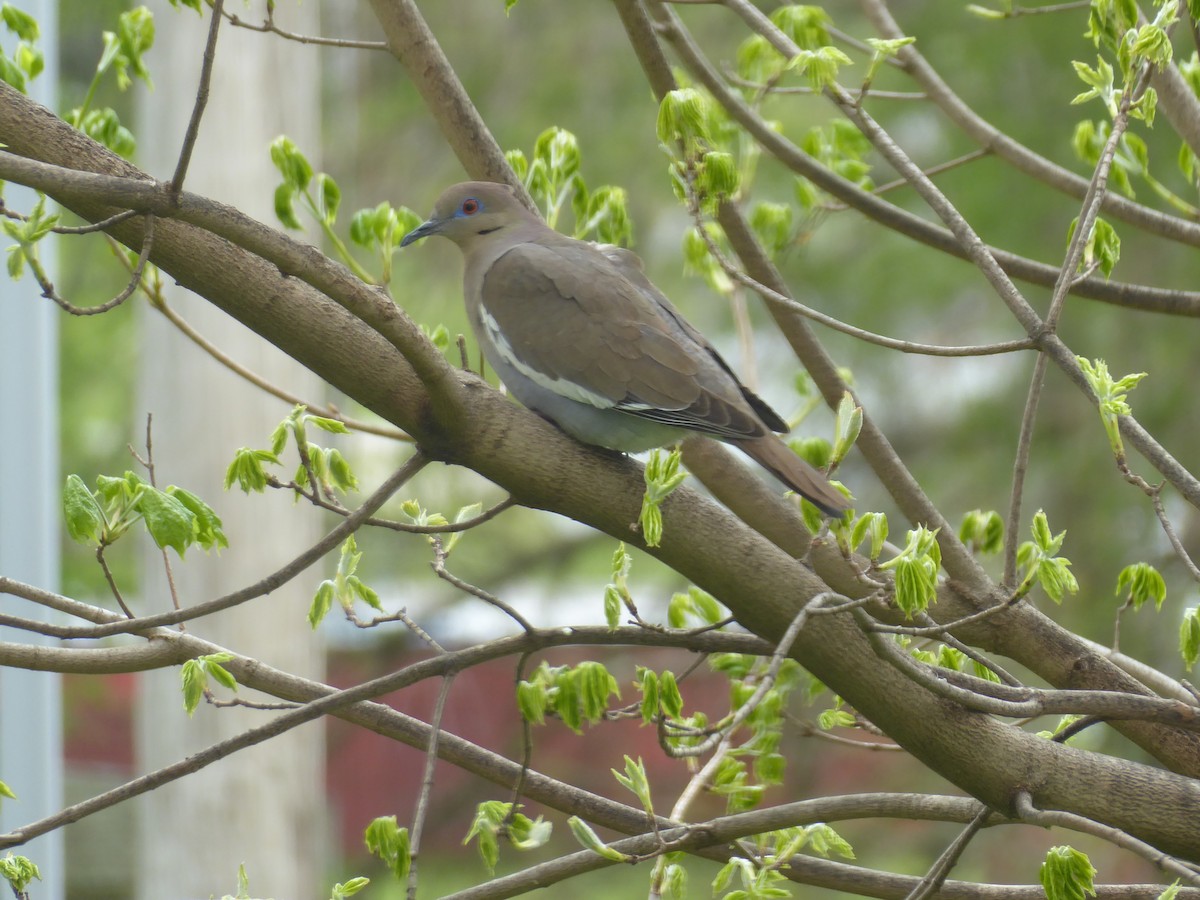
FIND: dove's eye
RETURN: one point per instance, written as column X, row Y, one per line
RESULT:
column 470, row 206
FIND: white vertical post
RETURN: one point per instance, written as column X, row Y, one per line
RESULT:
column 31, row 759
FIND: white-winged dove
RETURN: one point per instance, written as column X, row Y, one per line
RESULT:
column 579, row 335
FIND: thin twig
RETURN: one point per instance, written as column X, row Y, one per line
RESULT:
column 1012, row 523
column 269, row 27
column 49, row 292
column 431, row 758
column 733, row 78
column 193, row 127
column 439, row 566
column 89, row 228
column 1027, row 812
column 773, row 296
column 942, row 866
column 148, row 462
column 112, row 584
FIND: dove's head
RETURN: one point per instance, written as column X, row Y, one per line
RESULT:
column 468, row 211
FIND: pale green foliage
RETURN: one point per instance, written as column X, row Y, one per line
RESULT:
column 243, row 888
column 195, row 674
column 1142, row 582
column 635, row 780
column 554, row 181
column 953, row 658
column 495, row 819
column 329, row 467
column 380, row 229
column 27, row 61
column 1189, row 637
column 982, row 531
column 1067, row 874
column 695, row 604
column 173, row 517
column 660, row 694
column 18, row 871
column 885, row 49
column 699, row 260
column 915, row 569
column 1102, row 249
column 1040, row 563
column 26, row 234
column 386, row 840
column 574, row 693
column 835, row 717
column 345, row 587
column 589, row 840
column 1110, row 395
column 662, row 475
column 760, row 877
column 323, row 203
column 841, row 148
column 341, row 890
column 616, row 592
column 869, row 526
column 847, row 425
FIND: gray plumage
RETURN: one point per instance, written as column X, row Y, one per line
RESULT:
column 579, row 335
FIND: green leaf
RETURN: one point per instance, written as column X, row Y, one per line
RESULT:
column 835, row 718
column 6, row 791
column 104, row 126
column 295, row 168
column 820, row 66
column 648, row 685
column 566, row 700
column 669, row 697
column 1111, row 396
column 247, row 469
column 915, row 569
column 1067, row 874
column 634, row 779
column 886, row 49
column 390, row 843
column 1189, row 637
column 533, row 699
column 772, row 224
column 682, row 116
column 18, row 871
column 208, row 530
column 662, row 476
column 806, row 26
column 170, row 523
column 330, row 198
column 528, row 834
column 19, row 22
column 824, row 841
column 194, row 683
column 322, row 603
column 351, row 887
column 589, row 840
column 596, row 685
column 1143, row 582
column 982, row 531
column 847, row 426
column 85, row 519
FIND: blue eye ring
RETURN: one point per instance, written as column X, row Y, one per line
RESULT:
column 469, row 207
